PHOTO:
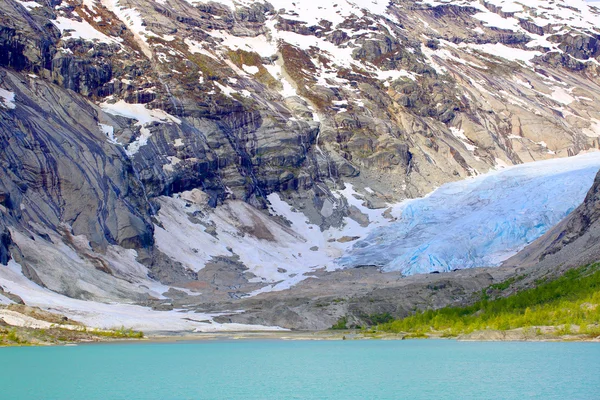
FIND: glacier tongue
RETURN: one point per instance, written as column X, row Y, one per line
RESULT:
column 478, row 222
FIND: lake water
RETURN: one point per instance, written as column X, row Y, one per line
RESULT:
column 434, row 369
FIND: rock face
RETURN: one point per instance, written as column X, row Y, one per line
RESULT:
column 5, row 242
column 109, row 109
column 57, row 168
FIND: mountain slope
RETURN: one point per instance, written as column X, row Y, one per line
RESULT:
column 150, row 146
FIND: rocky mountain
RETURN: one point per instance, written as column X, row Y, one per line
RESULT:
column 161, row 152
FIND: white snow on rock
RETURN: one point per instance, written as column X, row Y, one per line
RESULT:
column 197, row 48
column 251, row 69
column 594, row 129
column 496, row 21
column 279, row 255
column 265, row 246
column 312, row 12
column 259, row 44
column 144, row 117
column 30, row 5
column 508, row 53
column 478, row 222
column 562, row 96
column 82, row 30
column 395, row 74
column 7, row 99
column 133, row 20
column 226, row 90
column 109, row 131
column 277, row 72
column 113, row 315
column 576, row 13
column 460, row 134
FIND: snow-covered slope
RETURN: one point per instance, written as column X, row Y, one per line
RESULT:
column 478, row 222
column 112, row 315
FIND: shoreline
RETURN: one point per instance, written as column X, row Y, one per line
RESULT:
column 187, row 337
column 23, row 326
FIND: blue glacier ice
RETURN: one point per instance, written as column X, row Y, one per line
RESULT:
column 478, row 222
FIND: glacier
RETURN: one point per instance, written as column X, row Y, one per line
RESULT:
column 479, row 222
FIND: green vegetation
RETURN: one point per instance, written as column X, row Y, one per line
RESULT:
column 21, row 336
column 507, row 283
column 119, row 333
column 341, row 324
column 416, row 335
column 11, row 338
column 378, row 319
column 571, row 300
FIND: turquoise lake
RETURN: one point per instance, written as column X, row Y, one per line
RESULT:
column 435, row 369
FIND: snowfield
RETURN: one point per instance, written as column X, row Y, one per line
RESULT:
column 111, row 315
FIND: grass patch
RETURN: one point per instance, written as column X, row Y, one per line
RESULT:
column 11, row 338
column 570, row 300
column 120, row 333
column 416, row 335
column 507, row 283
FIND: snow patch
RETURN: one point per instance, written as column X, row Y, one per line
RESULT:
column 562, row 96
column 109, row 316
column 258, row 44
column 30, row 5
column 594, row 130
column 279, row 255
column 496, row 21
column 82, row 30
column 460, row 134
column 508, row 53
column 144, row 116
column 251, row 69
column 8, row 99
column 575, row 13
column 197, row 48
column 134, row 22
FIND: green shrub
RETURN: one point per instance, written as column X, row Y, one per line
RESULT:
column 378, row 319
column 340, row 324
column 13, row 337
column 572, row 299
column 119, row 333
